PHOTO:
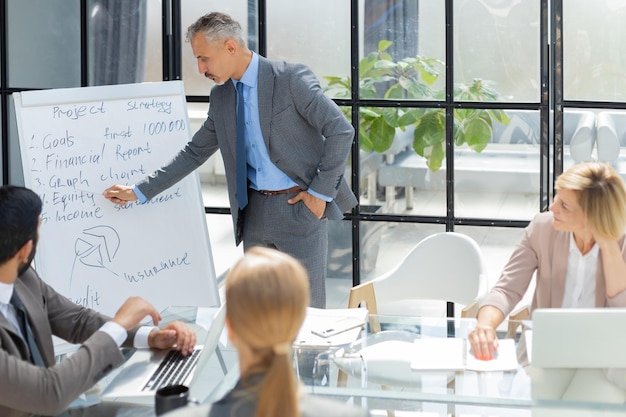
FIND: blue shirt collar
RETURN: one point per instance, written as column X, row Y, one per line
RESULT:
column 251, row 75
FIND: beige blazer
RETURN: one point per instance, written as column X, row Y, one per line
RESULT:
column 544, row 250
column 26, row 389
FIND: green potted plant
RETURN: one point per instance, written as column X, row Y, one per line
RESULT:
column 414, row 78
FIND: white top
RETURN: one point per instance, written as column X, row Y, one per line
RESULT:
column 580, row 280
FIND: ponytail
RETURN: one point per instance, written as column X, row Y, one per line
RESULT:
column 278, row 394
column 267, row 293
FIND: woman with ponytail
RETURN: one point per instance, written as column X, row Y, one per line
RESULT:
column 267, row 293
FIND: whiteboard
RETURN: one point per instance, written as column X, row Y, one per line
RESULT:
column 77, row 142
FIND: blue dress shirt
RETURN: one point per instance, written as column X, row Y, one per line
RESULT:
column 262, row 172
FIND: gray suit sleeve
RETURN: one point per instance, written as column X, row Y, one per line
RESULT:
column 326, row 117
column 48, row 391
column 202, row 145
column 53, row 388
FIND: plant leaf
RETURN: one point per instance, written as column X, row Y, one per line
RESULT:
column 410, row 116
column 435, row 160
column 381, row 135
column 370, row 113
column 431, row 127
column 384, row 44
column 390, row 114
column 395, row 92
column 477, row 134
column 429, row 138
column 499, row 115
column 458, row 132
column 365, row 142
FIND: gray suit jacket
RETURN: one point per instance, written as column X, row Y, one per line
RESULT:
column 305, row 133
column 26, row 389
column 545, row 250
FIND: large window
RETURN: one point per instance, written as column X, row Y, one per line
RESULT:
column 594, row 54
column 464, row 115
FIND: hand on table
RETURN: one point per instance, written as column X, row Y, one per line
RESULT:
column 484, row 342
column 175, row 335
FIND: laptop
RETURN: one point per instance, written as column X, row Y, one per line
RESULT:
column 578, row 338
column 571, row 351
column 147, row 370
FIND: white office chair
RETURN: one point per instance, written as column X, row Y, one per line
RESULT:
column 446, row 266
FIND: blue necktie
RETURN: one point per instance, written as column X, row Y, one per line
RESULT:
column 242, row 165
column 27, row 331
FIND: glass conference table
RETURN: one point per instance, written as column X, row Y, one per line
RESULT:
column 375, row 371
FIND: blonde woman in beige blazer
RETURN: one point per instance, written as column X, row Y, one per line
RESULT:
column 585, row 226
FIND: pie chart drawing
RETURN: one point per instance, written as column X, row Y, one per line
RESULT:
column 96, row 248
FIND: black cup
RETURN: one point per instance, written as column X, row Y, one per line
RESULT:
column 170, row 397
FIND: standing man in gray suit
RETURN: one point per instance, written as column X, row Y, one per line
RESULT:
column 296, row 142
column 31, row 312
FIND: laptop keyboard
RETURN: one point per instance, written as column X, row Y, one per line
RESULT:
column 174, row 369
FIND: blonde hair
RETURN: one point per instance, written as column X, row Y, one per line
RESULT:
column 267, row 293
column 601, row 195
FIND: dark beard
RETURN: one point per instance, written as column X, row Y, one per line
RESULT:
column 24, row 267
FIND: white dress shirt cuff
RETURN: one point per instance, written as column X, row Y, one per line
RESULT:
column 119, row 334
column 141, row 337
column 116, row 331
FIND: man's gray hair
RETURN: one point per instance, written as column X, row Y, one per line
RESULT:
column 216, row 26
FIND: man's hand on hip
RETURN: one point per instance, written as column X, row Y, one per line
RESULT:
column 316, row 205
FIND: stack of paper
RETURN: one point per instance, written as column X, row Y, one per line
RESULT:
column 455, row 354
column 331, row 327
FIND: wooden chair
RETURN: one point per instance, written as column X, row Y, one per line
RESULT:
column 515, row 321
